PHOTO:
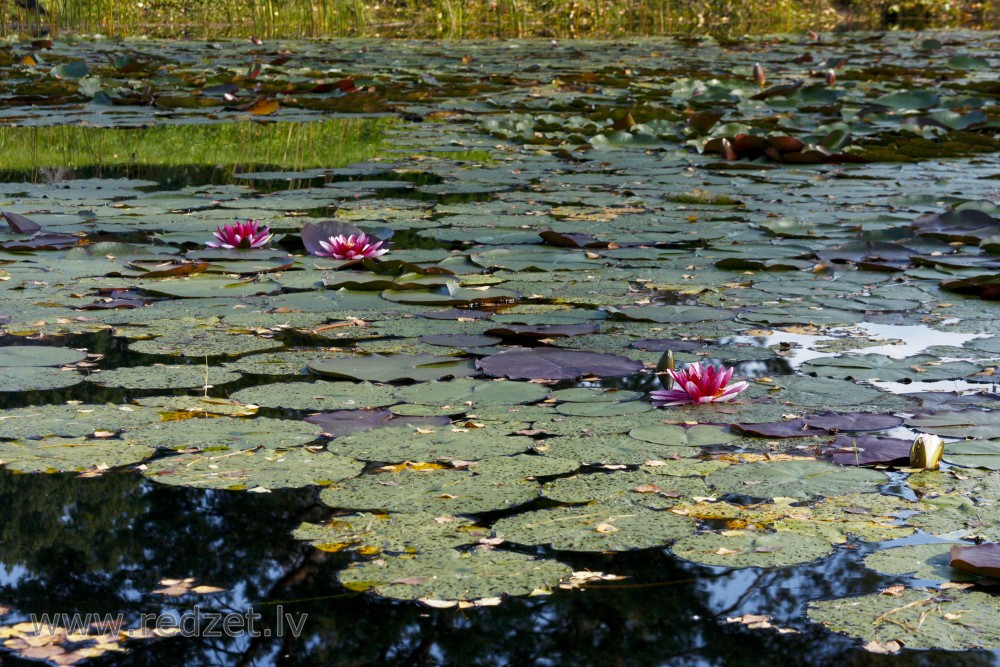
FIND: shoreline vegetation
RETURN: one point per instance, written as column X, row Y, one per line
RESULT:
column 484, row 19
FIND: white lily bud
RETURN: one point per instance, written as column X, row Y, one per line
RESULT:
column 926, row 452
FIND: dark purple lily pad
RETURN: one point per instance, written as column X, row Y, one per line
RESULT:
column 556, row 364
column 539, row 331
column 342, row 422
column 45, row 241
column 852, row 421
column 572, row 240
column 985, row 287
column 967, row 225
column 20, row 224
column 981, row 559
column 865, row 450
column 879, row 253
column 793, row 428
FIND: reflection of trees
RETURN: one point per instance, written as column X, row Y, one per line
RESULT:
column 100, row 545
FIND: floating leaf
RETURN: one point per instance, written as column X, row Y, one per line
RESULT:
column 577, row 528
column 453, row 575
column 751, row 549
column 556, row 364
column 253, row 469
column 378, row 368
column 793, row 479
column 918, row 619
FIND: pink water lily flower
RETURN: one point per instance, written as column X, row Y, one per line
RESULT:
column 241, row 235
column 695, row 384
column 351, row 247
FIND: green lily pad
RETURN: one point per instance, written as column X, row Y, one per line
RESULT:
column 66, row 455
column 794, row 479
column 401, row 533
column 922, row 367
column 73, row 421
column 199, row 344
column 974, row 453
column 603, row 409
column 674, row 435
column 253, row 469
column 460, row 392
column 918, row 619
column 377, row 368
column 738, row 549
column 610, row 449
column 622, row 486
column 594, row 395
column 227, row 433
column 958, row 424
column 317, row 396
column 19, row 356
column 922, row 561
column 454, row 575
column 595, row 528
column 37, row 378
column 436, row 491
column 162, row 377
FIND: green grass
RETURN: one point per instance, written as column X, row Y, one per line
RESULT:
column 246, row 146
column 492, row 18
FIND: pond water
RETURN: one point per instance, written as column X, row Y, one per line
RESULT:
column 448, row 454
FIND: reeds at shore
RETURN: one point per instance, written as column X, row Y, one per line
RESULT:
column 483, row 19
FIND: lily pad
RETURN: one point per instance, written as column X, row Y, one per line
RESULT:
column 461, row 392
column 958, row 424
column 319, row 395
column 163, row 377
column 378, row 368
column 65, row 455
column 226, row 433
column 922, row 561
column 918, row 618
column 748, row 548
column 436, row 491
column 595, row 528
column 556, row 364
column 398, row 443
column 454, row 575
column 253, row 469
column 399, row 533
column 20, row 356
column 794, row 479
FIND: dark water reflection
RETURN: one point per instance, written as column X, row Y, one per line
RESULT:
column 102, row 545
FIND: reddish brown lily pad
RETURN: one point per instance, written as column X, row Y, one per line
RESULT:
column 981, row 559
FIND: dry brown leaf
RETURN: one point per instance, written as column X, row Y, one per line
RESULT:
column 438, row 604
column 891, row 646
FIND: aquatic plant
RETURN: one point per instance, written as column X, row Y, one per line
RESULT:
column 695, row 384
column 926, row 451
column 241, row 235
column 359, row 246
